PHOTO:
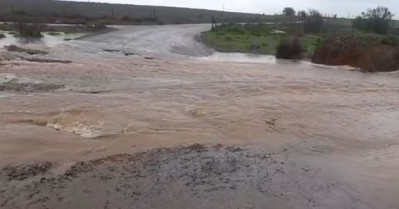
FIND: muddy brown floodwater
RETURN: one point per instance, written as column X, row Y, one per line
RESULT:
column 116, row 131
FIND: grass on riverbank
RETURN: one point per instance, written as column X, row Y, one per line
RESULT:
column 253, row 38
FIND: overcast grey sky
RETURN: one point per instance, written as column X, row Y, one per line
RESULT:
column 340, row 7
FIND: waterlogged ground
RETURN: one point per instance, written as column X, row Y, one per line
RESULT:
column 46, row 40
column 266, row 133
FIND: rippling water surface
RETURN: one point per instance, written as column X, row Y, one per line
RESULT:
column 106, row 103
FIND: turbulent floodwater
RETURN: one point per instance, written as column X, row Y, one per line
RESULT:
column 343, row 124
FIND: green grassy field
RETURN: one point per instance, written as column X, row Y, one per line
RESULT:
column 253, row 38
column 262, row 39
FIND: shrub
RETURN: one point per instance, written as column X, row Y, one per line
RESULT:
column 369, row 53
column 338, row 51
column 390, row 41
column 290, row 48
column 2, row 36
column 380, row 58
column 30, row 30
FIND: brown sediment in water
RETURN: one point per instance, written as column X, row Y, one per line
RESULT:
column 319, row 115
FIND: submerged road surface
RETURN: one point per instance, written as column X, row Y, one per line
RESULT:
column 161, row 130
column 159, row 40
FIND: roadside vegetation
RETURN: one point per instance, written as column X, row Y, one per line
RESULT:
column 370, row 53
column 372, row 46
column 248, row 38
column 254, row 38
column 369, row 42
column 290, row 48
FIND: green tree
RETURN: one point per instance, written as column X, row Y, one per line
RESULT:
column 377, row 20
column 289, row 12
column 313, row 21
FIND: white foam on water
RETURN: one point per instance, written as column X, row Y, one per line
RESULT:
column 240, row 57
column 70, row 123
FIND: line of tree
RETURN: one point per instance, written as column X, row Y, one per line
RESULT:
column 376, row 20
column 312, row 20
column 289, row 13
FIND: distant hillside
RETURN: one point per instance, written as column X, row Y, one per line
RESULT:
column 62, row 11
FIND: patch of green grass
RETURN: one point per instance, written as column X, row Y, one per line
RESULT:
column 259, row 38
column 243, row 38
column 310, row 44
column 254, row 38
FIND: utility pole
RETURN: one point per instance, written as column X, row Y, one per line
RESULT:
column 12, row 7
column 213, row 21
column 154, row 15
column 222, row 14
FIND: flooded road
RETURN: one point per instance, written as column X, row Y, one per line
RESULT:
column 340, row 126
